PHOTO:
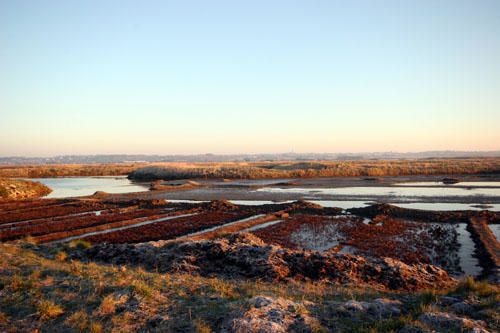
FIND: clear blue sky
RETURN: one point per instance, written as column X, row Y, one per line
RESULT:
column 80, row 77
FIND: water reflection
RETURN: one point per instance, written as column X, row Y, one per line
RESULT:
column 459, row 184
column 423, row 192
column 468, row 262
column 81, row 186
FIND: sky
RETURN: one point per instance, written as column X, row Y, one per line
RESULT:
column 188, row 77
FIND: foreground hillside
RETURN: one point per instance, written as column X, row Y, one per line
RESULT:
column 42, row 288
column 21, row 189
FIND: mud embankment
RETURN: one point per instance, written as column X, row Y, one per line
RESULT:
column 462, row 216
column 244, row 256
column 487, row 247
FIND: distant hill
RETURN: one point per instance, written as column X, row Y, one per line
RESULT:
column 124, row 158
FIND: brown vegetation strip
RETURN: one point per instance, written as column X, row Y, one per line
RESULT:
column 57, row 236
column 12, row 205
column 53, row 211
column 234, row 227
column 76, row 222
column 167, row 230
column 48, row 220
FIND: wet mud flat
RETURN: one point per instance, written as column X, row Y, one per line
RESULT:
column 479, row 191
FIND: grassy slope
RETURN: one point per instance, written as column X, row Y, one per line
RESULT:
column 43, row 289
column 17, row 189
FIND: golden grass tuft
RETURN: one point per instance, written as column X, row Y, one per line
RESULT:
column 481, row 288
column 48, row 309
column 224, row 289
column 79, row 244
column 202, row 327
column 61, row 256
column 96, row 327
column 79, row 321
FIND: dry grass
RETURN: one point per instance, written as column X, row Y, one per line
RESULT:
column 48, row 309
column 21, row 189
column 481, row 288
column 281, row 169
column 369, row 168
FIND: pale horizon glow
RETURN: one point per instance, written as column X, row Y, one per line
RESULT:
column 229, row 77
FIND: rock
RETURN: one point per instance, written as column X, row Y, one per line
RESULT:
column 378, row 308
column 462, row 308
column 271, row 315
column 448, row 321
column 410, row 329
column 384, row 307
column 448, row 300
column 355, row 306
column 477, row 330
column 449, row 181
column 260, row 301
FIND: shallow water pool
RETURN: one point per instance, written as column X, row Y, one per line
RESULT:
column 81, row 186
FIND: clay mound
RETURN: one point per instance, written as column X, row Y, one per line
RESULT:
column 220, row 205
column 244, row 256
column 152, row 203
column 306, row 207
column 302, row 204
